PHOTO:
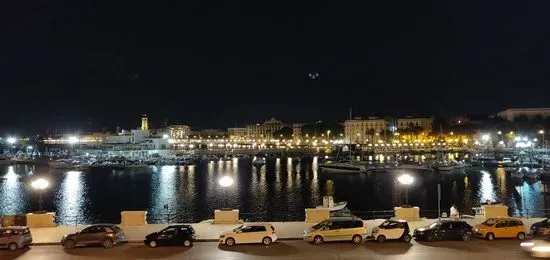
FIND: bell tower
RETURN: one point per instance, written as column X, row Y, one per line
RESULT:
column 144, row 122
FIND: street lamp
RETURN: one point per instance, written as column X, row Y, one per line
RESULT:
column 40, row 184
column 542, row 133
column 226, row 182
column 406, row 180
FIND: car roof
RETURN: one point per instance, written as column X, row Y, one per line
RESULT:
column 180, row 226
column 343, row 219
column 257, row 224
column 397, row 220
column 103, row 225
column 451, row 220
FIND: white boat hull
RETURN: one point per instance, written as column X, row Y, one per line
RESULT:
column 340, row 169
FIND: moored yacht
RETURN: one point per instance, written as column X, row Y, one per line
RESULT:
column 342, row 167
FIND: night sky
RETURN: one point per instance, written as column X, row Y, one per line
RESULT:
column 87, row 64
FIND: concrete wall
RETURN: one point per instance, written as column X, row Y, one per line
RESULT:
column 41, row 220
column 317, row 215
column 226, row 216
column 133, row 218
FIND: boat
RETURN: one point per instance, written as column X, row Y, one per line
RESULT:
column 60, row 164
column 505, row 162
column 328, row 202
column 458, row 165
column 442, row 166
column 529, row 173
column 342, row 167
column 5, row 161
column 258, row 161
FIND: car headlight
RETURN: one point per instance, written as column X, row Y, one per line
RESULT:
column 541, row 249
column 527, row 244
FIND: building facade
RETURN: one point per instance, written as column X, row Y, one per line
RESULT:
column 360, row 131
column 236, row 133
column 511, row 114
column 297, row 132
column 179, row 132
column 426, row 123
column 265, row 130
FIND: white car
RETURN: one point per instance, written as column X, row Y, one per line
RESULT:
column 392, row 229
column 537, row 247
column 253, row 233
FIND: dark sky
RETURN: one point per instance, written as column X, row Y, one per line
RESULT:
column 216, row 64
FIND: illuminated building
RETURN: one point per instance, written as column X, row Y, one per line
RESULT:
column 360, row 130
column 144, row 122
column 426, row 123
column 179, row 132
column 264, row 130
column 236, row 133
column 511, row 114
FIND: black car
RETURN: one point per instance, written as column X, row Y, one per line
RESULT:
column 541, row 228
column 176, row 235
column 444, row 230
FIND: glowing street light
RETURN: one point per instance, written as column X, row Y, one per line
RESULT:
column 406, row 180
column 11, row 140
column 40, row 185
column 73, row 139
column 543, row 142
column 485, row 137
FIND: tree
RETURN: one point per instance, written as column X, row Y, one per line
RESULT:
column 284, row 133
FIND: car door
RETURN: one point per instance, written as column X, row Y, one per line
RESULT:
column 166, row 236
column 85, row 236
column 259, row 232
column 4, row 237
column 334, row 231
column 501, row 229
column 443, row 231
column 394, row 230
column 245, row 235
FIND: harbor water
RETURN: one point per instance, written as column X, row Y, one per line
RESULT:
column 277, row 191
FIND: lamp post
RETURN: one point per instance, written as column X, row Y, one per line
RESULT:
column 40, row 185
column 226, row 182
column 542, row 133
column 406, row 180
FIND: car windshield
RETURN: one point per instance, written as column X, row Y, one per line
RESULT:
column 386, row 224
column 320, row 225
column 238, row 228
column 490, row 222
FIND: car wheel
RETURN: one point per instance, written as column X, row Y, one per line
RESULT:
column 357, row 239
column 230, row 241
column 407, row 238
column 69, row 244
column 12, row 247
column 153, row 243
column 266, row 241
column 490, row 236
column 430, row 238
column 318, row 240
column 381, row 239
column 107, row 243
column 187, row 243
column 465, row 237
column 521, row 236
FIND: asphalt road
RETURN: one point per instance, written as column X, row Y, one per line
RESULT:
column 476, row 249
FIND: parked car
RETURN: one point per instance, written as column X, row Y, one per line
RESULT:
column 337, row 229
column 107, row 235
column 249, row 234
column 500, row 228
column 444, row 230
column 14, row 238
column 541, row 228
column 182, row 235
column 392, row 229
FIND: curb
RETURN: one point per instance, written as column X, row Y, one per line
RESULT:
column 141, row 241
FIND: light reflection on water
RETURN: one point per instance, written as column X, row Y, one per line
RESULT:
column 280, row 190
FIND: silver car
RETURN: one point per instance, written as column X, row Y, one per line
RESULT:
column 14, row 238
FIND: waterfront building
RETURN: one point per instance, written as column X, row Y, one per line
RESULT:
column 264, row 130
column 512, row 113
column 123, row 137
column 297, row 132
column 179, row 132
column 360, row 131
column 236, row 133
column 424, row 123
